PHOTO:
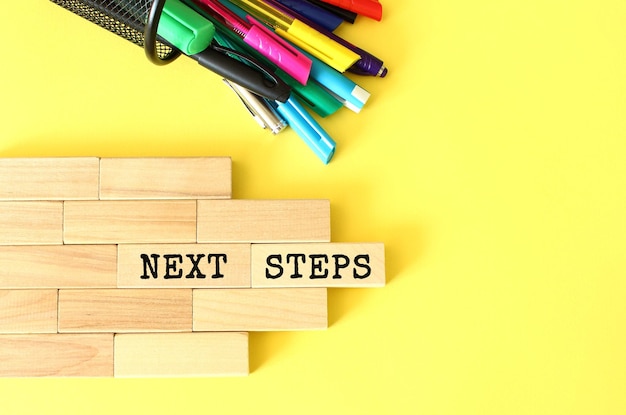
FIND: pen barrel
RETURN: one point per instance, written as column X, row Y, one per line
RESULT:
column 320, row 16
column 244, row 75
column 369, row 8
column 347, row 15
column 317, row 44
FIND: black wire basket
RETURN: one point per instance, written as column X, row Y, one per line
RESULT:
column 134, row 20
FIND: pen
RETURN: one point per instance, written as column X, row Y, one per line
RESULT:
column 300, row 34
column 180, row 26
column 256, row 78
column 257, row 36
column 299, row 120
column 312, row 94
column 347, row 15
column 319, row 15
column 369, row 8
column 261, row 111
column 343, row 88
column 367, row 64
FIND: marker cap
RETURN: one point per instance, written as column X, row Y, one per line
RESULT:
column 327, row 50
column 184, row 28
column 278, row 51
column 308, row 129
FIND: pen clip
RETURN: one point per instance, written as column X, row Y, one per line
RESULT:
column 261, row 111
column 246, row 105
column 243, row 70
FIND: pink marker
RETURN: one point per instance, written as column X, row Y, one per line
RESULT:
column 261, row 39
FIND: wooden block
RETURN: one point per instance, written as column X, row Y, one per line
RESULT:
column 58, row 266
column 166, row 178
column 124, row 310
column 31, row 223
column 318, row 265
column 28, row 311
column 183, row 265
column 56, row 355
column 56, row 178
column 181, row 354
column 263, row 220
column 129, row 221
column 260, row 309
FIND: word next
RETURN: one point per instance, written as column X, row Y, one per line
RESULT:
column 177, row 266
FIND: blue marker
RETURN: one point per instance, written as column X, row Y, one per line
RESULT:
column 307, row 128
column 347, row 91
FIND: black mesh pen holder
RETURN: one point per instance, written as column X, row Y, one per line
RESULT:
column 134, row 20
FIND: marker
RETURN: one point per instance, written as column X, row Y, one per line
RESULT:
column 297, row 118
column 343, row 88
column 184, row 28
column 261, row 39
column 367, row 64
column 300, row 34
column 351, row 95
column 312, row 94
column 308, row 129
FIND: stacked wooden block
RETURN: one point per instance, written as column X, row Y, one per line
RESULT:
column 134, row 267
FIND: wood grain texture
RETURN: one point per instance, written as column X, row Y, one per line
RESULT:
column 124, row 310
column 56, row 355
column 166, row 178
column 28, row 311
column 263, row 220
column 58, row 266
column 54, row 178
column 129, row 221
column 181, row 354
column 183, row 265
column 318, row 265
column 31, row 223
column 260, row 309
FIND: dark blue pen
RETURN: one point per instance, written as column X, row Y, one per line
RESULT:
column 322, row 17
column 347, row 15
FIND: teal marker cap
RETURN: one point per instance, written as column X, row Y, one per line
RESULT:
column 185, row 28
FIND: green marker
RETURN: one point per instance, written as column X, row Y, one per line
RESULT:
column 185, row 28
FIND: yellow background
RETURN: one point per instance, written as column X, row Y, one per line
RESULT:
column 490, row 161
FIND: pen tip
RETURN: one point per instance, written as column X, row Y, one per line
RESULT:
column 383, row 72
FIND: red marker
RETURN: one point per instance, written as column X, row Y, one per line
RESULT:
column 369, row 8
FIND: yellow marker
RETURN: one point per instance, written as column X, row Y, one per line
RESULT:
column 317, row 44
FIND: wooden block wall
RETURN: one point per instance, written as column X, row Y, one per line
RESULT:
column 145, row 267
